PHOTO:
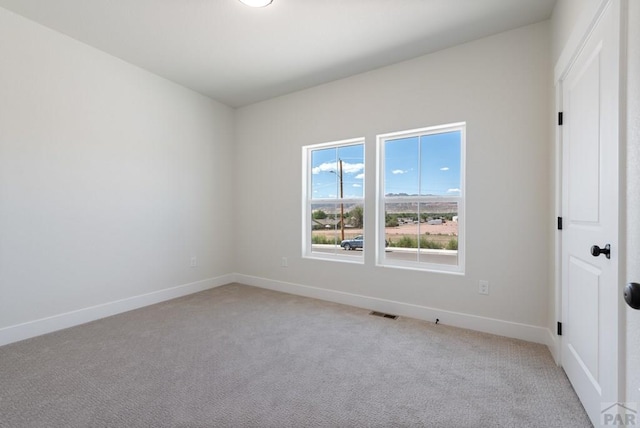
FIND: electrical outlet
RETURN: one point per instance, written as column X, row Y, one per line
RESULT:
column 194, row 261
column 483, row 287
column 285, row 262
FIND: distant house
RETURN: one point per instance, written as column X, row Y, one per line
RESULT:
column 405, row 220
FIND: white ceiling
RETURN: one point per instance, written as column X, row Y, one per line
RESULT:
column 239, row 55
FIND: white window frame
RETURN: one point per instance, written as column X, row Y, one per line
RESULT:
column 308, row 201
column 382, row 200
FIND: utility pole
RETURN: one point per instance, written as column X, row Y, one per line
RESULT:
column 339, row 174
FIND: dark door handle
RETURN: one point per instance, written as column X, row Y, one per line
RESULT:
column 632, row 295
column 596, row 251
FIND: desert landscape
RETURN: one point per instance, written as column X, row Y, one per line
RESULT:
column 440, row 233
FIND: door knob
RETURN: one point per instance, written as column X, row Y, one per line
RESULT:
column 632, row 295
column 596, row 251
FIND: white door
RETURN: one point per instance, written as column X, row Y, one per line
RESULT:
column 590, row 289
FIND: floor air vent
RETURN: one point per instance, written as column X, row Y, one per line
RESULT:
column 383, row 315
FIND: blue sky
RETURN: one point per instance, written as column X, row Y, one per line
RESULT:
column 426, row 165
column 324, row 172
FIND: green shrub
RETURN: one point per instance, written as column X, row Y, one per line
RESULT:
column 432, row 245
column 323, row 239
column 411, row 242
column 452, row 244
column 405, row 242
column 319, row 215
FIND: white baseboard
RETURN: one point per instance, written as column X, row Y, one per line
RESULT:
column 456, row 319
column 41, row 326
column 38, row 327
column 553, row 343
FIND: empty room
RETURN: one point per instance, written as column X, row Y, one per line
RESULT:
column 337, row 213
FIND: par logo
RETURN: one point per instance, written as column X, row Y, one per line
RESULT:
column 619, row 414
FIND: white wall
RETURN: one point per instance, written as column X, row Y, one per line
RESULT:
column 500, row 87
column 111, row 178
column 567, row 14
column 633, row 200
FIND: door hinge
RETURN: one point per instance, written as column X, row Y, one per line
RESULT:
column 559, row 223
column 560, row 119
column 559, row 328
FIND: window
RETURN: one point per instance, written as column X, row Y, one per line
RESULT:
column 421, row 198
column 333, row 196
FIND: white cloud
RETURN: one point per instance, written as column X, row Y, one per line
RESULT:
column 325, row 167
column 347, row 168
column 398, row 171
column 453, row 190
column 360, row 176
column 445, row 168
column 352, row 168
column 357, row 185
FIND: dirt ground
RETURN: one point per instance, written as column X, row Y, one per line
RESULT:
column 449, row 228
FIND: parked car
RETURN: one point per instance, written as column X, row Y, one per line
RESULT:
column 352, row 244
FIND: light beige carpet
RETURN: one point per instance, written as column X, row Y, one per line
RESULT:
column 238, row 356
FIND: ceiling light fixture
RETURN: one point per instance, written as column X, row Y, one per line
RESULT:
column 256, row 3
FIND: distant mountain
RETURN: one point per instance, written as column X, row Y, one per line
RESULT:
column 430, row 207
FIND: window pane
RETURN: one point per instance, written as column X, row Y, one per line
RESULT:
column 422, row 232
column 440, row 164
column 337, row 172
column 401, row 231
column 330, row 222
column 438, row 231
column 324, row 178
column 352, row 158
column 401, row 167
